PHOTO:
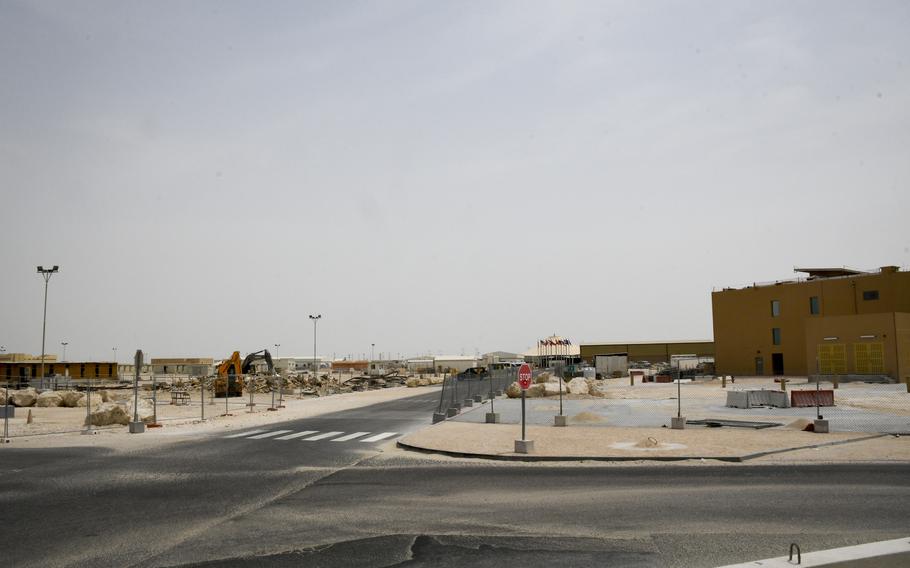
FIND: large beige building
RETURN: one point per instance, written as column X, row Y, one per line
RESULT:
column 833, row 321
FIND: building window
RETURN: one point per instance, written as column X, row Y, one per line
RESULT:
column 870, row 294
column 110, row 370
column 97, row 370
column 82, row 370
column 814, row 306
column 775, row 335
column 775, row 308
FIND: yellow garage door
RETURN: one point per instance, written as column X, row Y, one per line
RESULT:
column 832, row 359
column 869, row 358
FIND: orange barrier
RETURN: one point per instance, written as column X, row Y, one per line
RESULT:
column 802, row 398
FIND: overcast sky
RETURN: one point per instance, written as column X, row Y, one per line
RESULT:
column 435, row 176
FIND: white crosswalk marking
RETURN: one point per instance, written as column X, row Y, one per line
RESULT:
column 322, row 436
column 242, row 434
column 297, row 435
column 269, row 434
column 378, row 437
column 350, row 436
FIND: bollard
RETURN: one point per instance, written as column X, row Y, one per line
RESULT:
column 723, row 381
column 632, row 380
column 907, row 380
column 836, row 382
column 202, row 397
column 783, row 385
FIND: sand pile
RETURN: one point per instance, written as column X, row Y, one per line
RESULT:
column 588, row 417
column 800, row 424
column 649, row 442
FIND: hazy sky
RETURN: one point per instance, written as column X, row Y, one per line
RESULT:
column 435, row 176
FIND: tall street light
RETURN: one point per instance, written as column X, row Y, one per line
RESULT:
column 46, row 274
column 372, row 356
column 64, row 344
column 277, row 345
column 315, row 319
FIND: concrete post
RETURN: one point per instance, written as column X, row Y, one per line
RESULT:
column 783, row 385
column 723, row 381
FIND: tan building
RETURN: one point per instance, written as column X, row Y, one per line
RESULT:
column 651, row 351
column 192, row 366
column 20, row 367
column 835, row 321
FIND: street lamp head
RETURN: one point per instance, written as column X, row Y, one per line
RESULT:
column 42, row 270
column 316, row 317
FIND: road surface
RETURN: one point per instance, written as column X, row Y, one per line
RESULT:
column 334, row 491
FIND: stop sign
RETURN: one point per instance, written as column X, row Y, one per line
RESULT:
column 524, row 376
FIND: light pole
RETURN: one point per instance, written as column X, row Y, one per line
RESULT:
column 315, row 318
column 114, row 349
column 45, row 273
column 372, row 355
column 277, row 345
column 64, row 344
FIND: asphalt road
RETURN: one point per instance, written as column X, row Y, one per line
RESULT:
column 217, row 501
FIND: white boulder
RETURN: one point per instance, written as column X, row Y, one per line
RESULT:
column 146, row 410
column 578, row 385
column 24, row 397
column 107, row 414
column 412, row 382
column 552, row 388
column 49, row 399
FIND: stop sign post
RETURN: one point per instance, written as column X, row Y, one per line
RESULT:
column 524, row 376
column 524, row 445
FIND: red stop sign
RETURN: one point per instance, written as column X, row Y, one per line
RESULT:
column 524, row 376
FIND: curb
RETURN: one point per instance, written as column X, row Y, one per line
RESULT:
column 532, row 458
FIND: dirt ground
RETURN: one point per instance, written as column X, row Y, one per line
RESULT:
column 57, row 427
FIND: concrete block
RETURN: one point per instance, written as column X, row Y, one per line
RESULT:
column 7, row 411
column 450, row 412
column 524, row 446
column 821, row 426
column 678, row 423
column 499, row 392
column 478, row 398
column 468, row 402
column 137, row 427
column 737, row 399
column 438, row 417
column 492, row 418
column 560, row 420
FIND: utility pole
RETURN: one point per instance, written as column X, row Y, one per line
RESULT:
column 64, row 344
column 315, row 319
column 45, row 273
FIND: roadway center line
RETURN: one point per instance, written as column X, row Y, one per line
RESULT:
column 242, row 434
column 350, row 436
column 297, row 435
column 269, row 434
column 378, row 437
column 322, row 436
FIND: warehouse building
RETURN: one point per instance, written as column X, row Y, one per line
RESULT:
column 616, row 356
column 832, row 321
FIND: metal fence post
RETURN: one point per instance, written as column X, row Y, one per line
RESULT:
column 6, row 407
column 88, row 408
column 202, row 397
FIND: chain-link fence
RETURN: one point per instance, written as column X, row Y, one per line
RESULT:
column 56, row 405
column 711, row 401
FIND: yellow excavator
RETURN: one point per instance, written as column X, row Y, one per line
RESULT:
column 231, row 371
